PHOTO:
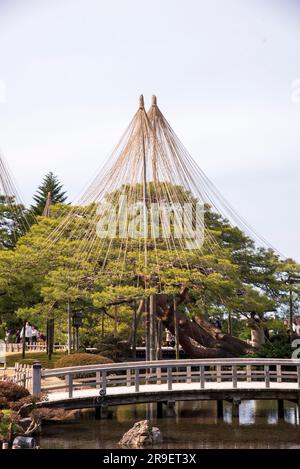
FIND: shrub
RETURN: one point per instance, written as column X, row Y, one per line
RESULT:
column 279, row 346
column 27, row 402
column 9, row 425
column 80, row 359
column 11, row 392
column 113, row 348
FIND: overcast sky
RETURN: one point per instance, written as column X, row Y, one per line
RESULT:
column 225, row 74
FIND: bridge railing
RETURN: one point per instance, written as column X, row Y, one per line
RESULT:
column 39, row 347
column 22, row 375
column 230, row 372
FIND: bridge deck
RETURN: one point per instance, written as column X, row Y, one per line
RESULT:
column 162, row 389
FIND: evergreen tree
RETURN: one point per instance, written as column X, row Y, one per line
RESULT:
column 14, row 221
column 50, row 186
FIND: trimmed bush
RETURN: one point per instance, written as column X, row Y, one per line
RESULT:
column 11, row 392
column 81, row 359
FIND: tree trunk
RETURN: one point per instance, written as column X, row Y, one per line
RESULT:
column 198, row 337
column 24, row 340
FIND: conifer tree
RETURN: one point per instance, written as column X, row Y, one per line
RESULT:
column 50, row 187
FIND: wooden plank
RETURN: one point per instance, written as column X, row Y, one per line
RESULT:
column 298, row 375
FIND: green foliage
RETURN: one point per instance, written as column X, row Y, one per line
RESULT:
column 114, row 347
column 279, row 346
column 50, row 185
column 80, row 359
column 14, row 221
column 40, row 276
column 9, row 425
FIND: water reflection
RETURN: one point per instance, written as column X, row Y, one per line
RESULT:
column 194, row 425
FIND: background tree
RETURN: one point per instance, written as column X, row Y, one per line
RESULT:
column 52, row 186
column 14, row 221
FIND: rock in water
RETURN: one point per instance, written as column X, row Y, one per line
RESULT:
column 156, row 436
column 141, row 435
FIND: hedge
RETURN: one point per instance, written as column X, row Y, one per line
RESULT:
column 80, row 359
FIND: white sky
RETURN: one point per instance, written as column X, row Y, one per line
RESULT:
column 71, row 72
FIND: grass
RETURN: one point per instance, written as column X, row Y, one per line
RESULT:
column 30, row 357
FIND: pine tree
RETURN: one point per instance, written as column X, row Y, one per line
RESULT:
column 49, row 187
column 14, row 221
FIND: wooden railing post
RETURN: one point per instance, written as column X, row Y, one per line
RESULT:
column 188, row 374
column 202, row 377
column 219, row 373
column 98, row 379
column 36, row 378
column 128, row 377
column 169, row 378
column 267, row 375
column 248, row 373
column 104, row 381
column 234, row 376
column 278, row 373
column 298, row 375
column 158, row 375
column 137, row 379
column 69, row 384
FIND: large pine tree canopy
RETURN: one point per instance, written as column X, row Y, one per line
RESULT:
column 64, row 259
column 50, row 187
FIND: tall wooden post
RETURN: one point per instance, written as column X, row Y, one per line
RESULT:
column 50, row 337
column 47, row 336
column 291, row 308
column 134, row 334
column 77, row 338
column 152, row 328
column 69, row 328
column 116, row 321
column 145, row 230
column 102, row 325
column 159, row 340
column 176, row 327
column 229, row 323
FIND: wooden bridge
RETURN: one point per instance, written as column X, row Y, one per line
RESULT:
column 168, row 381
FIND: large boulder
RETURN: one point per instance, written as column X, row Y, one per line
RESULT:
column 141, row 435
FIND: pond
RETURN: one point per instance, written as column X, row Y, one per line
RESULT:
column 195, row 425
